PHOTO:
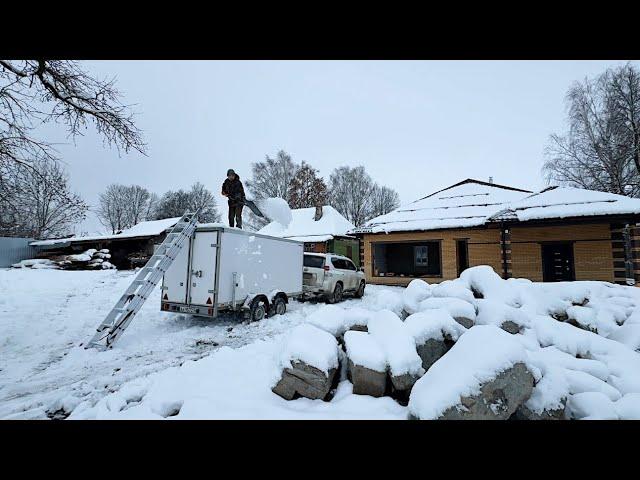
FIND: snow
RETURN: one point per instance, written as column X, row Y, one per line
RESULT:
column 433, row 324
column 472, row 203
column 217, row 369
column 277, row 210
column 176, row 366
column 311, row 345
column 477, row 357
column 304, row 228
column 417, row 291
column 364, row 350
column 35, row 263
column 143, row 229
column 457, row 308
column 464, row 205
column 396, row 342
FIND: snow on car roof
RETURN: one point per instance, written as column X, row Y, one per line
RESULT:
column 304, row 228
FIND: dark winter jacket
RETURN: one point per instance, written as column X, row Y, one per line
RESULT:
column 235, row 191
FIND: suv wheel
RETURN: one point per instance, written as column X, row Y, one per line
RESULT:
column 360, row 292
column 336, row 296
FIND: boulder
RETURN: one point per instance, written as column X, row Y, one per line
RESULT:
column 367, row 381
column 524, row 413
column 498, row 399
column 431, row 350
column 304, row 380
column 510, row 327
column 404, row 382
column 367, row 364
column 466, row 322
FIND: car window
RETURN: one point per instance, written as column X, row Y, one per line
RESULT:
column 313, row 261
column 338, row 263
column 350, row 265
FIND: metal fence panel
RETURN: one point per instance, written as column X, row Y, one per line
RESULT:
column 12, row 250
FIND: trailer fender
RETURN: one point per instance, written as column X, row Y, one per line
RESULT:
column 278, row 293
column 252, row 296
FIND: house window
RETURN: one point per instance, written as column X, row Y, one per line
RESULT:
column 407, row 259
column 421, row 256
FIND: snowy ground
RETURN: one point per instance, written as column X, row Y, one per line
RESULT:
column 44, row 372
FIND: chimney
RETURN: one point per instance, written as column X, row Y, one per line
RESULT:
column 490, row 179
column 318, row 214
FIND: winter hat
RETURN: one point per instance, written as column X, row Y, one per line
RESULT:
column 230, row 172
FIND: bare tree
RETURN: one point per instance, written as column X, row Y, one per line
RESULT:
column 113, row 209
column 350, row 192
column 175, row 204
column 306, row 189
column 38, row 202
column 269, row 179
column 33, row 91
column 383, row 200
column 272, row 178
column 601, row 150
column 203, row 199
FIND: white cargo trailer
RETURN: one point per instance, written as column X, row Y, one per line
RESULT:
column 228, row 269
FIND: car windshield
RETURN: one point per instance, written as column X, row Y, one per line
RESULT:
column 313, row 261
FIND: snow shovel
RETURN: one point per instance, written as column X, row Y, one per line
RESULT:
column 254, row 208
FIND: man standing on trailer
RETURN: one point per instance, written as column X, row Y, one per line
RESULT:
column 232, row 189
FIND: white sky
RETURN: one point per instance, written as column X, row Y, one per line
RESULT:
column 417, row 126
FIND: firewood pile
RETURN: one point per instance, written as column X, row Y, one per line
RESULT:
column 91, row 259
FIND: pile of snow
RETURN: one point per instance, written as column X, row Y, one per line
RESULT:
column 91, row 259
column 305, row 227
column 276, row 209
column 36, row 263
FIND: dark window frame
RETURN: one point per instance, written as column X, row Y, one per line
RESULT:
column 431, row 240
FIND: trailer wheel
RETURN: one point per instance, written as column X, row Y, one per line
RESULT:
column 279, row 306
column 257, row 311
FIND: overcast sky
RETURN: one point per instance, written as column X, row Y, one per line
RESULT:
column 416, row 126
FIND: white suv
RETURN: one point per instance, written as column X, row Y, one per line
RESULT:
column 330, row 276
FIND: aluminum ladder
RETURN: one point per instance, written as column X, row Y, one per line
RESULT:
column 123, row 312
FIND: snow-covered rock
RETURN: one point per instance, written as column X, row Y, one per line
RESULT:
column 434, row 331
column 309, row 361
column 483, row 376
column 463, row 312
column 405, row 365
column 367, row 364
column 416, row 291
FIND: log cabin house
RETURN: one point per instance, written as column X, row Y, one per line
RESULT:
column 557, row 234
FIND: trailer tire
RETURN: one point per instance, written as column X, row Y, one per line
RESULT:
column 336, row 296
column 257, row 311
column 279, row 306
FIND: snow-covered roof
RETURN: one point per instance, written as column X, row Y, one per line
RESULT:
column 304, row 228
column 472, row 203
column 564, row 202
column 142, row 229
column 465, row 204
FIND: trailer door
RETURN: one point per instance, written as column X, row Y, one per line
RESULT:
column 202, row 270
column 175, row 280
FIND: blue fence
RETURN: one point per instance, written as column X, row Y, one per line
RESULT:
column 12, row 250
